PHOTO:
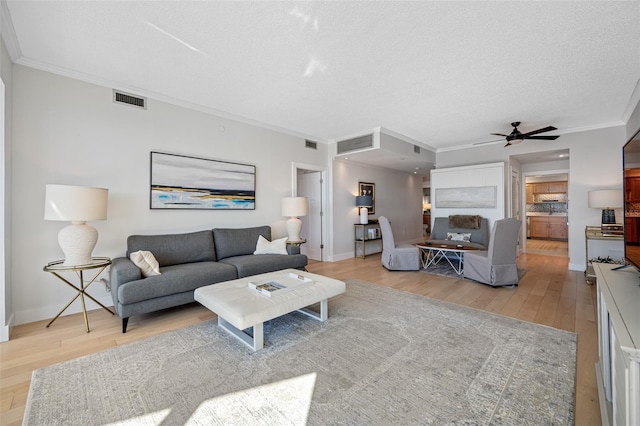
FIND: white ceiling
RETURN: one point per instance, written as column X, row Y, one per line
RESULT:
column 444, row 74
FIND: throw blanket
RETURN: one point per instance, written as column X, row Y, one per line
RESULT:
column 464, row 221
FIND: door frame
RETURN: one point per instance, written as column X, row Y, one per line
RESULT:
column 326, row 215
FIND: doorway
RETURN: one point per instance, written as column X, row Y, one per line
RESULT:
column 547, row 212
column 310, row 181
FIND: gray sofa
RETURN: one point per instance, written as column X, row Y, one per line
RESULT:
column 479, row 231
column 188, row 261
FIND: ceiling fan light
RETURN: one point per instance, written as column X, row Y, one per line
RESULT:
column 516, row 141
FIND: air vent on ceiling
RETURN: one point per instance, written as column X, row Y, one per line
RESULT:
column 416, row 149
column 355, row 144
column 129, row 99
column 310, row 144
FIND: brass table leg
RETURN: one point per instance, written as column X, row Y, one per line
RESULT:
column 81, row 293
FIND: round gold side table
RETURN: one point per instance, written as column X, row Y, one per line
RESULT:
column 57, row 267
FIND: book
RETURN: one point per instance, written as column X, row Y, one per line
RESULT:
column 279, row 284
column 268, row 288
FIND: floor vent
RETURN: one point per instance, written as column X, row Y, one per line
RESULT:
column 416, row 149
column 310, row 144
column 355, row 144
column 129, row 99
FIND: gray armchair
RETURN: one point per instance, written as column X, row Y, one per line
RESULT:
column 497, row 265
column 402, row 257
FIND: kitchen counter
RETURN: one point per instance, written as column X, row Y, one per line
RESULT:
column 547, row 214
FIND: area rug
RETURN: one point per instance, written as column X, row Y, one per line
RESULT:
column 444, row 269
column 383, row 357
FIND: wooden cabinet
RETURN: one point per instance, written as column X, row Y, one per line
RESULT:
column 632, row 189
column 549, row 227
column 529, row 191
column 631, row 229
column 550, row 188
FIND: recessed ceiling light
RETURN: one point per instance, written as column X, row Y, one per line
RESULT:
column 346, row 158
column 561, row 155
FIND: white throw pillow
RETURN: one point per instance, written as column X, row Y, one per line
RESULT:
column 454, row 236
column 146, row 262
column 265, row 246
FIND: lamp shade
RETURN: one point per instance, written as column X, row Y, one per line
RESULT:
column 295, row 206
column 75, row 203
column 364, row 201
column 605, row 198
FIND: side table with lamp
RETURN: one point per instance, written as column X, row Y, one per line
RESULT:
column 77, row 204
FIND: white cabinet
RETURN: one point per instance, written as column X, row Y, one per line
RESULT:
column 618, row 367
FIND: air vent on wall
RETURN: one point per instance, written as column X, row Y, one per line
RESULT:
column 310, row 144
column 129, row 99
column 416, row 149
column 355, row 144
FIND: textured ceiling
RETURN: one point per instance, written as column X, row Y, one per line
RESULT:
column 444, row 74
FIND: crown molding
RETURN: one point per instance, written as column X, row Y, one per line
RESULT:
column 8, row 32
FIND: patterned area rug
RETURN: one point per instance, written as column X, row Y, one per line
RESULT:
column 444, row 269
column 383, row 357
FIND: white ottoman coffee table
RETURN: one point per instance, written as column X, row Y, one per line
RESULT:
column 240, row 307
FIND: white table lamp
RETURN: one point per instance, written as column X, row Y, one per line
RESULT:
column 364, row 202
column 607, row 200
column 294, row 207
column 78, row 205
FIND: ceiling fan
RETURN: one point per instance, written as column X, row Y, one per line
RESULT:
column 515, row 137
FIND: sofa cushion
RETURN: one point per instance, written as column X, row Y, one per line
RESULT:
column 175, row 279
column 479, row 236
column 231, row 242
column 175, row 249
column 456, row 236
column 265, row 246
column 464, row 221
column 254, row 264
column 146, row 262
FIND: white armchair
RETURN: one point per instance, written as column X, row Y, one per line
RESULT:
column 402, row 257
column 497, row 265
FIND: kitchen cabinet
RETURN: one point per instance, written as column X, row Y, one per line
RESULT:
column 632, row 189
column 529, row 192
column 549, row 227
column 550, row 188
column 631, row 229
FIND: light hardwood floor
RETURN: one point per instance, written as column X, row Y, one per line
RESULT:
column 548, row 294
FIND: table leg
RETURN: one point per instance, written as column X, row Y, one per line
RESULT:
column 81, row 293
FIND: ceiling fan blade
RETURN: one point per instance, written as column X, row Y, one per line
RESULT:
column 498, row 134
column 544, row 138
column 508, row 144
column 535, row 132
column 482, row 143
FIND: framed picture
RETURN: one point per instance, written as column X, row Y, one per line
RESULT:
column 467, row 197
column 367, row 188
column 183, row 182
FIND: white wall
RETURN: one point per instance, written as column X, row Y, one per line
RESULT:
column 69, row 132
column 469, row 176
column 595, row 162
column 398, row 197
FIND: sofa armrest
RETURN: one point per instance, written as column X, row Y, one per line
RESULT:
column 122, row 271
column 293, row 249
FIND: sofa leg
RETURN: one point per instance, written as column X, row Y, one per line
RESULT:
column 125, row 321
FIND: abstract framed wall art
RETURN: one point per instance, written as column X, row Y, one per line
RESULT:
column 183, row 182
column 367, row 188
column 466, row 197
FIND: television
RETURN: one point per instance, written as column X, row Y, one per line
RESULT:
column 631, row 178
